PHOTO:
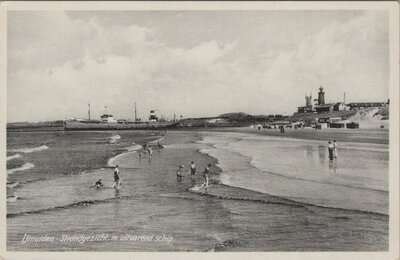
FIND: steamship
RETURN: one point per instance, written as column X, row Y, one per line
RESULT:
column 109, row 122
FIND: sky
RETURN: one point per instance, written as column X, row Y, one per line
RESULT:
column 190, row 63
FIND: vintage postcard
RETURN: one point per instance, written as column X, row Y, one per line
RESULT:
column 241, row 130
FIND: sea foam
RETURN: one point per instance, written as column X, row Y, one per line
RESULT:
column 24, row 167
column 30, row 149
column 14, row 156
column 114, row 138
column 131, row 149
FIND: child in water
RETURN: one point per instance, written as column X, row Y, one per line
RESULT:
column 192, row 168
column 98, row 184
column 206, row 172
column 117, row 181
column 179, row 172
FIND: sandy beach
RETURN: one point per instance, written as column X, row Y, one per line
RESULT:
column 179, row 216
column 372, row 135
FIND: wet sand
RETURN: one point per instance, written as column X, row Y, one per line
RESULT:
column 373, row 136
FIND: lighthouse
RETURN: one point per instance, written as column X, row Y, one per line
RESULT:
column 321, row 96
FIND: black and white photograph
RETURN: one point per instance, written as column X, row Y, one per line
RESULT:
column 200, row 128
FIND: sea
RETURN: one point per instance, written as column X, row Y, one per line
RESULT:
column 266, row 193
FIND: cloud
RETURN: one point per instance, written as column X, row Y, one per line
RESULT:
column 57, row 63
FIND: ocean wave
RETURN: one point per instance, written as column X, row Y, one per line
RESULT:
column 135, row 147
column 223, row 245
column 13, row 185
column 24, row 167
column 130, row 149
column 12, row 198
column 156, row 141
column 272, row 199
column 327, row 182
column 14, row 156
column 114, row 138
column 29, row 149
column 83, row 203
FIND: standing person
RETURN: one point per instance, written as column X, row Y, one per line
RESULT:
column 330, row 150
column 192, row 168
column 179, row 172
column 117, row 181
column 335, row 147
column 206, row 172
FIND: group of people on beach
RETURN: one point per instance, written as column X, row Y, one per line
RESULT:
column 149, row 150
column 179, row 174
column 116, row 183
column 193, row 169
column 332, row 150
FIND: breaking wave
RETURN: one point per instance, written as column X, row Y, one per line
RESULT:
column 272, row 199
column 131, row 149
column 24, row 167
column 12, row 199
column 14, row 156
column 84, row 203
column 30, row 149
column 13, row 184
column 156, row 141
column 114, row 138
column 223, row 245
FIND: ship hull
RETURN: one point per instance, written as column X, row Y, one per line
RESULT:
column 82, row 126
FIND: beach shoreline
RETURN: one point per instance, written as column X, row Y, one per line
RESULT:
column 375, row 136
column 225, row 218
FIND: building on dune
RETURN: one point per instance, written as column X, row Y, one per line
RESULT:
column 320, row 106
column 319, row 114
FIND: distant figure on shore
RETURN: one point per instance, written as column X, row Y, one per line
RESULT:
column 282, row 129
column 98, row 184
column 206, row 173
column 335, row 147
column 117, row 181
column 330, row 150
column 192, row 168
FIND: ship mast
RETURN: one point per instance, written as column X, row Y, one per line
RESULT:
column 89, row 109
column 135, row 113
